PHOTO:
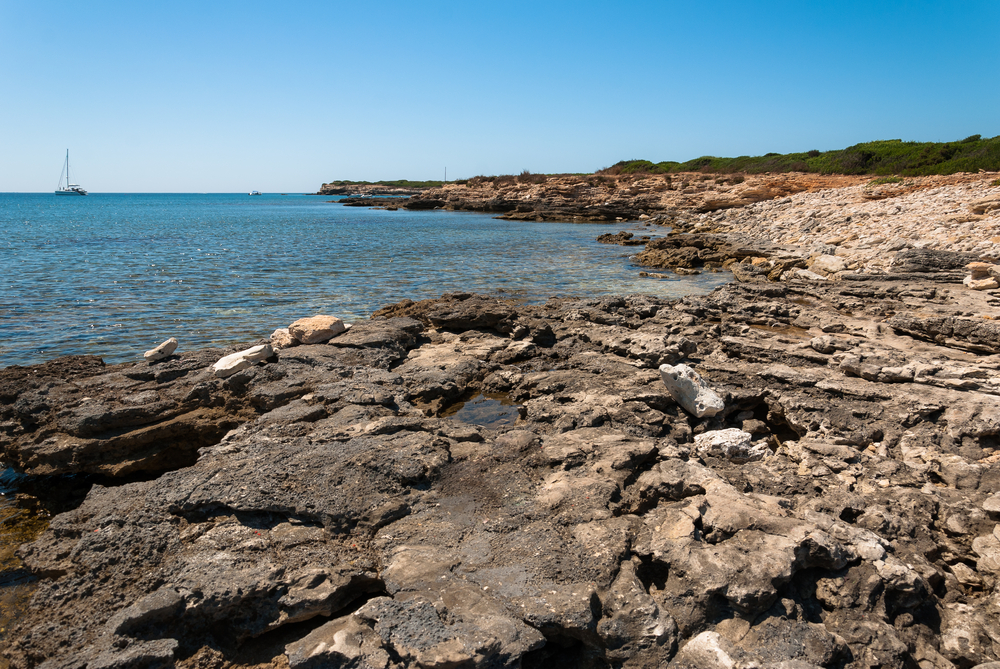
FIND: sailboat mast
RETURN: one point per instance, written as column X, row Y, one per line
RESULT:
column 67, row 168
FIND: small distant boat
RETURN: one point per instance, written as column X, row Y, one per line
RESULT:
column 255, row 192
column 68, row 188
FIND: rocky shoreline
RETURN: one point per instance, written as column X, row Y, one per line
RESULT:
column 472, row 481
column 368, row 190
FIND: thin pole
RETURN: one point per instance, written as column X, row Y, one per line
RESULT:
column 67, row 168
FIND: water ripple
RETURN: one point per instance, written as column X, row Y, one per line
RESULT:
column 113, row 275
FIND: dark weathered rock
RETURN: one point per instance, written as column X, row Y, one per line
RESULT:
column 931, row 260
column 696, row 249
column 623, row 239
column 342, row 514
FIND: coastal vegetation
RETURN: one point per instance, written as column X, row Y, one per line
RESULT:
column 881, row 181
column 398, row 183
column 884, row 157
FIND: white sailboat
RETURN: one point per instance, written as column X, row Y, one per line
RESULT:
column 68, row 188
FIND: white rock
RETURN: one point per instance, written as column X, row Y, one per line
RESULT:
column 828, row 264
column 804, row 274
column 316, row 329
column 162, row 351
column 732, row 444
column 282, row 338
column 989, row 283
column 708, row 649
column 992, row 505
column 690, row 391
column 235, row 362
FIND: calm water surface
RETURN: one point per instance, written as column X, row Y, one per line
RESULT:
column 116, row 274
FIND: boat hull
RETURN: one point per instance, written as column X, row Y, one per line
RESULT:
column 71, row 192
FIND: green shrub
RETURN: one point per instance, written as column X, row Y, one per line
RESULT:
column 527, row 177
column 995, row 182
column 884, row 157
column 881, row 181
column 398, row 183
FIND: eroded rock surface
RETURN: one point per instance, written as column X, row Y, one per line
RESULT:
column 326, row 513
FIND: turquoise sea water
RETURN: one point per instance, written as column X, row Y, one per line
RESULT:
column 116, row 274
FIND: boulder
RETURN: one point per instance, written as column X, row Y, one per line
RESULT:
column 690, row 391
column 235, row 362
column 316, row 329
column 282, row 338
column 162, row 351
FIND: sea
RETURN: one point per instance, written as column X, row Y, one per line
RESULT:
column 115, row 274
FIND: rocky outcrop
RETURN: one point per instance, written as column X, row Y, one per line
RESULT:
column 935, row 220
column 368, row 190
column 837, row 511
column 604, row 198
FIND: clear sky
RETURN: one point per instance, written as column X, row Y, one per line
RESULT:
column 280, row 97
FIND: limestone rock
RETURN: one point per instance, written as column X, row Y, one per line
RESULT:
column 590, row 532
column 340, row 642
column 162, row 351
column 690, row 391
column 992, row 505
column 803, row 274
column 732, row 444
column 708, row 650
column 985, row 206
column 979, row 270
column 982, row 276
column 282, row 338
column 828, row 264
column 235, row 362
column 316, row 329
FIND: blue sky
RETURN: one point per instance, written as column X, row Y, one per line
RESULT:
column 233, row 96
